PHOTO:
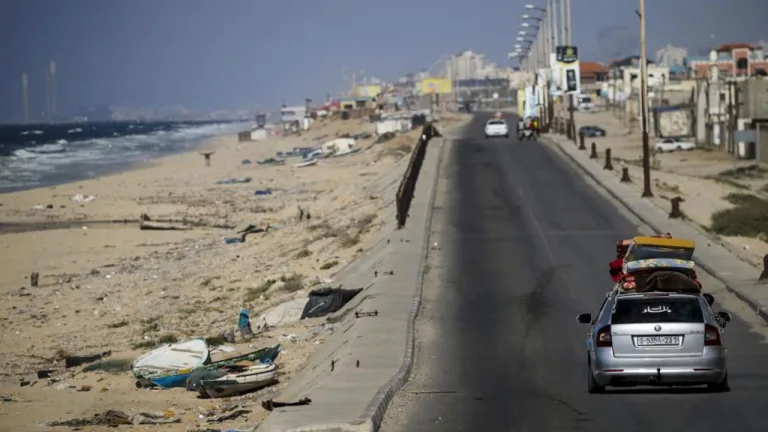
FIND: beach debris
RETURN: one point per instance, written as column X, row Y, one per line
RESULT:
column 74, row 361
column 304, row 213
column 7, row 398
column 231, row 415
column 83, row 198
column 245, row 162
column 250, row 229
column 244, row 323
column 270, row 404
column 324, row 301
column 152, row 226
column 45, row 373
column 113, row 418
column 234, row 180
column 307, row 163
column 207, row 156
column 271, row 161
column 263, row 192
column 34, row 279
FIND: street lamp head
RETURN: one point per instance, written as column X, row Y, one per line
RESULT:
column 518, row 46
column 525, row 24
column 526, row 16
column 521, row 32
column 519, row 39
column 529, row 6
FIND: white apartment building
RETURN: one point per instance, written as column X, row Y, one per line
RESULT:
column 470, row 65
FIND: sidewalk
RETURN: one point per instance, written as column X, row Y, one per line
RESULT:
column 704, row 178
column 713, row 256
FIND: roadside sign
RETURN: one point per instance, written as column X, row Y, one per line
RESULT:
column 746, row 135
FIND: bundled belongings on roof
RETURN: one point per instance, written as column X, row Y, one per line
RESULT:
column 633, row 270
column 666, row 281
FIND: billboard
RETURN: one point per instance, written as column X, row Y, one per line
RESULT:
column 555, row 80
column 436, row 86
column 369, row 90
column 567, row 59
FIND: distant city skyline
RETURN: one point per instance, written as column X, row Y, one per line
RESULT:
column 210, row 56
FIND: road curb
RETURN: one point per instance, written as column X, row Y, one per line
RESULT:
column 759, row 309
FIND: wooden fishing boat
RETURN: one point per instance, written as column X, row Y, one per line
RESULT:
column 252, row 378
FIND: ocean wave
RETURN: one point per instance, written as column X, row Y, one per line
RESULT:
column 65, row 160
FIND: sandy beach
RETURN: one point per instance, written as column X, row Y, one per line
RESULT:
column 106, row 285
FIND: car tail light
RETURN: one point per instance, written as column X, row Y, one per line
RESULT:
column 604, row 337
column 711, row 336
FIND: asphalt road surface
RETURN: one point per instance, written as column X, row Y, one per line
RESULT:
column 523, row 245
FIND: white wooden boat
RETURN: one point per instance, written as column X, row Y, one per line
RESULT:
column 255, row 377
column 173, row 360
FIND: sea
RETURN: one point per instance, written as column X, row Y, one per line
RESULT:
column 36, row 155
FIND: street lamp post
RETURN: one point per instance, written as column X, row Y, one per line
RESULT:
column 647, row 193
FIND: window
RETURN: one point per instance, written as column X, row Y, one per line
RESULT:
column 656, row 252
column 497, row 122
column 657, row 310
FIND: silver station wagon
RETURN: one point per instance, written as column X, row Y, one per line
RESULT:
column 656, row 339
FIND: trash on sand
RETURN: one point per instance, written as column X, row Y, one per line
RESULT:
column 250, row 229
column 246, row 162
column 114, row 418
column 83, row 198
column 229, row 416
column 244, row 323
column 270, row 404
column 234, row 180
column 263, row 192
column 151, row 226
column 73, row 361
column 327, row 300
column 271, row 161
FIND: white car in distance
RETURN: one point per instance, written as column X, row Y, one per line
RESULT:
column 496, row 127
column 673, row 144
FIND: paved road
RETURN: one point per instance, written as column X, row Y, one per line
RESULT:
column 524, row 246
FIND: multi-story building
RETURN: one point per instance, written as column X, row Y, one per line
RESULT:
column 469, row 65
column 734, row 59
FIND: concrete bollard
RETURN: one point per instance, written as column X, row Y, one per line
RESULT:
column 568, row 129
column 34, row 279
column 625, row 175
column 593, row 154
column 764, row 274
column 581, row 143
column 207, row 156
column 608, row 162
column 676, row 213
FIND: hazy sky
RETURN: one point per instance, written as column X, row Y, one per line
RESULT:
column 211, row 54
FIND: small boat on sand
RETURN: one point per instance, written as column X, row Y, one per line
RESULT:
column 252, row 378
column 178, row 377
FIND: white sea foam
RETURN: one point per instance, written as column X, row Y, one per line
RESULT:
column 68, row 160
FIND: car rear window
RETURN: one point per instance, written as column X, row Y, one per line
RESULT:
column 497, row 122
column 657, row 310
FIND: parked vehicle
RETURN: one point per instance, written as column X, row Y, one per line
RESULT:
column 496, row 127
column 673, row 144
column 592, row 131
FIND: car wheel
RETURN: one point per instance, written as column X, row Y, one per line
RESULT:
column 592, row 385
column 506, row 136
column 678, row 148
column 721, row 387
column 486, row 137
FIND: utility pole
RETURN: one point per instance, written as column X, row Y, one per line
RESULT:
column 647, row 193
column 570, row 28
column 552, row 7
column 25, row 96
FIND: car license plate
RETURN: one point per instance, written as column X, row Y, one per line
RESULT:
column 657, row 340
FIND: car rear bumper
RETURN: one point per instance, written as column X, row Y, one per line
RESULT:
column 709, row 368
column 497, row 132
